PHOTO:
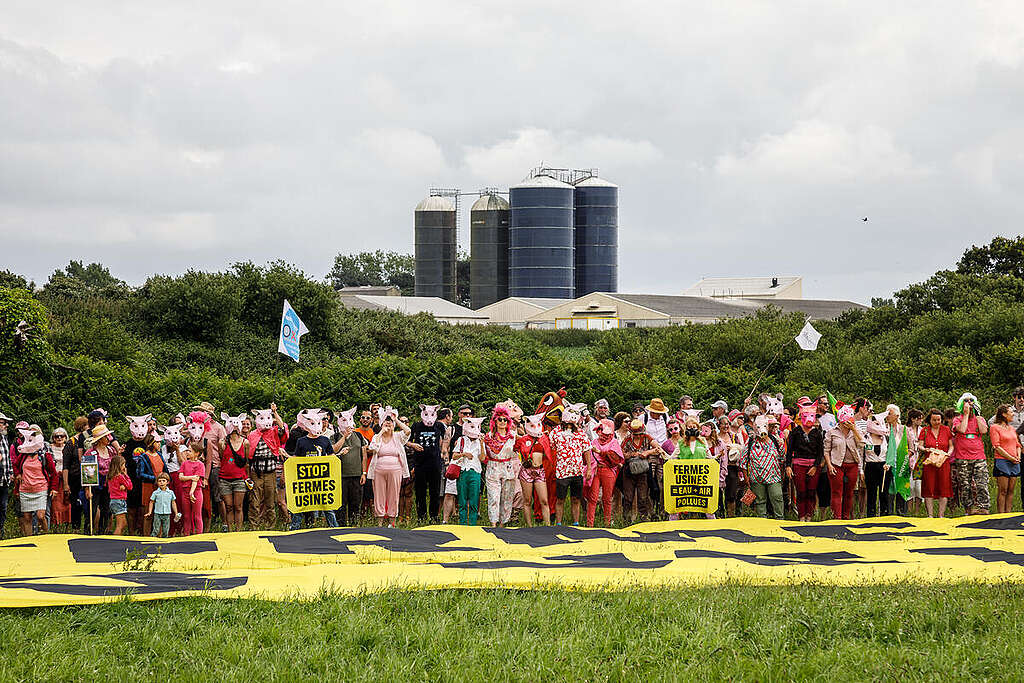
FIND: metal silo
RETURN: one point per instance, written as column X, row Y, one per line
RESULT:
column 540, row 257
column 435, row 248
column 596, row 241
column 488, row 236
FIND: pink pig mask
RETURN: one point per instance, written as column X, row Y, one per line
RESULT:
column 382, row 413
column 172, row 434
column 346, row 419
column 139, row 426
column 471, row 427
column 428, row 414
column 312, row 420
column 33, row 441
column 535, row 425
column 233, row 424
column 198, row 421
column 263, row 419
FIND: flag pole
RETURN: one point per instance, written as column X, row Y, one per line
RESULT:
column 770, row 363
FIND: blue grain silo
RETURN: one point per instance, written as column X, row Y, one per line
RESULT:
column 596, row 241
column 541, row 239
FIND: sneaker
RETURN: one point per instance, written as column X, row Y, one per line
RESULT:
column 224, row 528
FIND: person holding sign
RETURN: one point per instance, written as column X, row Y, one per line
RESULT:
column 386, row 465
column 315, row 443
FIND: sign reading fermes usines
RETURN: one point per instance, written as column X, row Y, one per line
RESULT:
column 691, row 485
column 312, row 483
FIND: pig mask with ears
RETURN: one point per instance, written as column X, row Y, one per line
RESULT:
column 33, row 441
column 263, row 419
column 346, row 419
column 198, row 422
column 384, row 412
column 233, row 424
column 172, row 434
column 471, row 427
column 138, row 426
column 535, row 425
column 773, row 405
column 428, row 414
column 312, row 420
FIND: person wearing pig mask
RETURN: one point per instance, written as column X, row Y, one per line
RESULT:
column 427, row 437
column 138, row 430
column 35, row 476
column 843, row 460
column 315, row 443
column 386, row 464
column 214, row 435
column 171, row 450
column 266, row 444
column 351, row 467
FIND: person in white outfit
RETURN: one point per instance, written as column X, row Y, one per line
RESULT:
column 500, row 472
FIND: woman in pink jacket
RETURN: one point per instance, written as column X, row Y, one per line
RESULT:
column 602, row 471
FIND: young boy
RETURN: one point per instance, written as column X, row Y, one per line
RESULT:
column 161, row 501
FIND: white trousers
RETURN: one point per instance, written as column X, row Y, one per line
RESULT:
column 499, row 499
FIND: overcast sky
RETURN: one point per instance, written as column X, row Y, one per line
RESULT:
column 746, row 138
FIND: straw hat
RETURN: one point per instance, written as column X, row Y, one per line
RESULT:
column 98, row 432
column 657, row 406
column 206, row 406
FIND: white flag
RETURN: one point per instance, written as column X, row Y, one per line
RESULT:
column 808, row 337
column 291, row 329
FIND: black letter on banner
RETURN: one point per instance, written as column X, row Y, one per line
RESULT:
column 114, row 550
column 599, row 561
column 1015, row 523
column 844, row 532
column 321, row 541
column 146, row 583
column 983, row 554
column 542, row 536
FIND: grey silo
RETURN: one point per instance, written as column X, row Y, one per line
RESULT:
column 436, row 248
column 541, row 239
column 488, row 236
column 596, row 240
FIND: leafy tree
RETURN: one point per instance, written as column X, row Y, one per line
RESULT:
column 78, row 280
column 12, row 280
column 28, row 350
column 262, row 290
column 1001, row 256
column 374, row 268
column 196, row 305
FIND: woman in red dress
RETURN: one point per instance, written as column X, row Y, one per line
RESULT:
column 936, row 444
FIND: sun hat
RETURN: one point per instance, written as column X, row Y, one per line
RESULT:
column 206, row 406
column 657, row 406
column 98, row 432
column 4, row 418
column 637, row 426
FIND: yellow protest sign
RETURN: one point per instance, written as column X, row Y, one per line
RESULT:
column 74, row 570
column 691, row 485
column 312, row 482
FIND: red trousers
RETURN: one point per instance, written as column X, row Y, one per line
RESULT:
column 192, row 513
column 603, row 488
column 843, row 483
column 806, row 489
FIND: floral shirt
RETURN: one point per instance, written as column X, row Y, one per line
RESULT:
column 569, row 448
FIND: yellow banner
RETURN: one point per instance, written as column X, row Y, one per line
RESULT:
column 312, row 482
column 66, row 570
column 691, row 485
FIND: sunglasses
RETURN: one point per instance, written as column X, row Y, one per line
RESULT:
column 501, row 419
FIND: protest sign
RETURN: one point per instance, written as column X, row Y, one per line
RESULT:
column 90, row 470
column 312, row 483
column 691, row 485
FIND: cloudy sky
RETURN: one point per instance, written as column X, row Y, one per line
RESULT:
column 747, row 138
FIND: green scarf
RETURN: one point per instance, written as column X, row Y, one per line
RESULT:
column 898, row 460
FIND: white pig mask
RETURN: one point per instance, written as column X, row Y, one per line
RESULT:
column 138, row 426
column 172, row 434
column 535, row 425
column 33, row 441
column 233, row 424
column 311, row 420
column 346, row 419
column 263, row 419
column 428, row 414
column 471, row 427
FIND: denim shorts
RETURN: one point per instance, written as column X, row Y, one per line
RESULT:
column 230, row 486
column 118, row 506
column 1005, row 468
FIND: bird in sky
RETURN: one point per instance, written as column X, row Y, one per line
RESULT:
column 864, row 219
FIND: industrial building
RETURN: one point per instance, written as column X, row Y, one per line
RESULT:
column 514, row 310
column 604, row 310
column 776, row 287
column 556, row 237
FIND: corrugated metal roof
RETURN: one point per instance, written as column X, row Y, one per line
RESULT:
column 436, row 204
column 490, row 202
column 411, row 305
column 739, row 286
column 818, row 309
column 676, row 306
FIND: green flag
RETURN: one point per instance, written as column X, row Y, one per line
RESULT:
column 898, row 460
column 833, row 404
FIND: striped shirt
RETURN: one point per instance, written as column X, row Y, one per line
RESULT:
column 763, row 462
column 6, row 469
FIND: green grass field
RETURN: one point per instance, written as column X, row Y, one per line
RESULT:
column 899, row 632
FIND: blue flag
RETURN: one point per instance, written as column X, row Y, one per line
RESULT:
column 291, row 329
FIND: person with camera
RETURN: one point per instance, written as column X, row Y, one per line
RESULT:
column 970, row 469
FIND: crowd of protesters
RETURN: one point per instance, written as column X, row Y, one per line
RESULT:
column 815, row 459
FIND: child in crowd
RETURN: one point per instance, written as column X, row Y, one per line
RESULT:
column 118, row 486
column 191, row 475
column 161, row 505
